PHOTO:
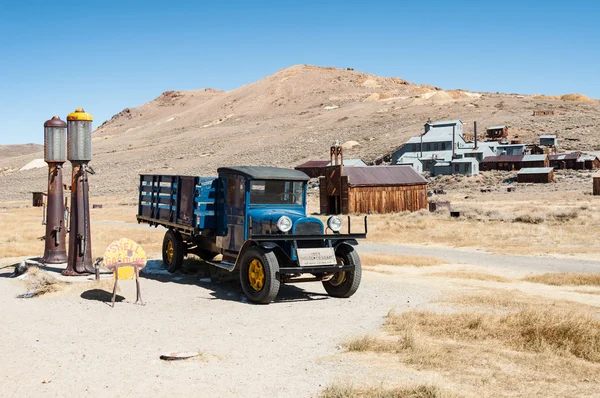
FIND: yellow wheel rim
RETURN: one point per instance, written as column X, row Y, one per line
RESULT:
column 256, row 275
column 339, row 277
column 169, row 251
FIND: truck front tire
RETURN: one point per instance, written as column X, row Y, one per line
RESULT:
column 344, row 284
column 258, row 275
column 173, row 251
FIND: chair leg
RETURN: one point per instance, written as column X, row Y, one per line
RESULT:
column 138, row 288
column 114, row 295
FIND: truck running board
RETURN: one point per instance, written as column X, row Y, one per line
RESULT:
column 226, row 265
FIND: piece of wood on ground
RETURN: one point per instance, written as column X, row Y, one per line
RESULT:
column 174, row 356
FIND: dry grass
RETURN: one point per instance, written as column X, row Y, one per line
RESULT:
column 464, row 274
column 562, row 279
column 39, row 282
column 503, row 300
column 400, row 260
column 527, row 227
column 588, row 291
column 420, row 391
column 538, row 346
column 22, row 228
column 536, row 330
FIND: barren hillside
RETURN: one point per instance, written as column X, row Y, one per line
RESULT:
column 292, row 116
column 10, row 151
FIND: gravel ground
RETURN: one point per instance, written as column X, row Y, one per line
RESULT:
column 69, row 343
column 72, row 343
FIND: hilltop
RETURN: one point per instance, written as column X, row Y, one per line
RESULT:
column 292, row 116
column 11, row 151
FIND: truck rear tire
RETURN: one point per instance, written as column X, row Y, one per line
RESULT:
column 344, row 284
column 173, row 251
column 258, row 275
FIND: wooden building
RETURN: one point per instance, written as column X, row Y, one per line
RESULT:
column 538, row 149
column 514, row 162
column 589, row 162
column 548, row 140
column 536, row 175
column 596, row 186
column 574, row 161
column 39, row 199
column 313, row 168
column 496, row 132
column 375, row 189
column 565, row 161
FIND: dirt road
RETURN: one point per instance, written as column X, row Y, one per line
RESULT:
column 80, row 345
column 71, row 342
column 534, row 264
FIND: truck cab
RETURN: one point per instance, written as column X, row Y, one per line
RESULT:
column 256, row 218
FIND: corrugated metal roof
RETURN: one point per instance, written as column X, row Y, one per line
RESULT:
column 383, row 175
column 503, row 158
column 534, row 158
column 535, row 170
column 496, row 127
column 435, row 134
column 565, row 156
column 465, row 160
column 313, row 163
column 352, row 163
column 442, row 155
column 442, row 122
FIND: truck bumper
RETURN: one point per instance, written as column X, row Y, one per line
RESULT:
column 315, row 270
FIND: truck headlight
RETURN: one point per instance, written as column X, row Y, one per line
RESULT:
column 284, row 224
column 334, row 223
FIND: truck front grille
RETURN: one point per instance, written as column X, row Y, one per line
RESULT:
column 308, row 228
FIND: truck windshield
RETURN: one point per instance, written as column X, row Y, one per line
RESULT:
column 276, row 192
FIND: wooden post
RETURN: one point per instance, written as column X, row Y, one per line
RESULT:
column 596, row 188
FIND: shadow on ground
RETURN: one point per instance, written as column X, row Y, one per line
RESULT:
column 100, row 295
column 224, row 286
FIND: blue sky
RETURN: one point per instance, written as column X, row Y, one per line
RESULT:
column 109, row 55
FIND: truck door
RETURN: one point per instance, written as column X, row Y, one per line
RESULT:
column 235, row 207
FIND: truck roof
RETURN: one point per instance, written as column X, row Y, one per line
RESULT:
column 265, row 173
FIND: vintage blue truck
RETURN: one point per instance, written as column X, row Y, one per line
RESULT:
column 256, row 218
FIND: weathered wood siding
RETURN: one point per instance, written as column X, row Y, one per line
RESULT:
column 596, row 190
column 323, row 204
column 387, row 199
column 536, row 178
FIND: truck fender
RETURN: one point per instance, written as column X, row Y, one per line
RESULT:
column 349, row 242
column 249, row 243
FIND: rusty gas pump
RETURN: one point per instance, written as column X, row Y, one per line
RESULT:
column 79, row 153
column 55, row 147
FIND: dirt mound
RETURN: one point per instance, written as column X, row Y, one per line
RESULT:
column 433, row 97
column 441, row 97
column 34, row 164
column 566, row 97
column 576, row 97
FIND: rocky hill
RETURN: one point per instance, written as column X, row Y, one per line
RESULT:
column 292, row 116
